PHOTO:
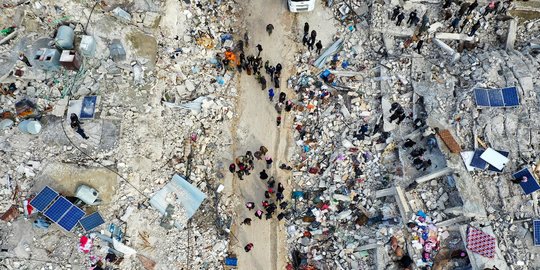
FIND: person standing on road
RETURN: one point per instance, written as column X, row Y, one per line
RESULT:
column 319, row 47
column 269, row 29
column 278, row 69
column 248, row 247
column 259, row 48
column 250, row 205
column 263, row 150
column 263, row 175
column 269, row 161
column 313, row 35
column 306, row 29
column 232, row 168
column 246, row 221
column 262, row 80
column 271, row 94
column 259, row 213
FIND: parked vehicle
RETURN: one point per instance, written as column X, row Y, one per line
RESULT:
column 301, row 5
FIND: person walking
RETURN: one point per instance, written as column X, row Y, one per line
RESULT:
column 472, row 7
column 247, row 221
column 319, row 47
column 306, row 29
column 232, row 168
column 419, row 45
column 310, row 44
column 313, row 34
column 280, row 188
column 259, row 48
column 278, row 121
column 269, row 29
column 248, row 247
column 263, row 175
column 455, row 24
column 412, row 17
column 395, row 12
column 271, row 94
column 283, row 205
column 250, row 205
column 282, row 97
column 474, row 28
column 400, row 18
column 24, row 59
column 262, row 80
column 305, row 40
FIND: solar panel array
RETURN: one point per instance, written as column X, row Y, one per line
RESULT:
column 536, row 232
column 503, row 97
column 44, row 198
column 57, row 208
column 91, row 221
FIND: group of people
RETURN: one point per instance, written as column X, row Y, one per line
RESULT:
column 274, row 196
column 399, row 15
column 310, row 40
column 244, row 164
column 417, row 155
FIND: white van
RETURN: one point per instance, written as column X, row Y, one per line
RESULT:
column 301, row 5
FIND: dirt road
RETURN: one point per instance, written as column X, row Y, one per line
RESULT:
column 256, row 126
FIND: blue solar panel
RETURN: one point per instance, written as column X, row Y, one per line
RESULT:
column 91, row 221
column 71, row 218
column 491, row 168
column 58, row 209
column 531, row 185
column 44, row 198
column 476, row 161
column 495, row 98
column 536, row 232
column 481, row 97
column 510, row 96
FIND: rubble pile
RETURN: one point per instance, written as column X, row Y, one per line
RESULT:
column 165, row 109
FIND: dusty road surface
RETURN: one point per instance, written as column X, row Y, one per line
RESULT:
column 256, row 126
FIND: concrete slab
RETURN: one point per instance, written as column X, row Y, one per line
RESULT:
column 454, row 36
column 433, row 175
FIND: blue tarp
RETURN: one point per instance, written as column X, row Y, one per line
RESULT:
column 188, row 196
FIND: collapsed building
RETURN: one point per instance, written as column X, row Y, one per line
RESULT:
column 157, row 114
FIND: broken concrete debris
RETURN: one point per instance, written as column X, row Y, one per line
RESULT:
column 121, row 97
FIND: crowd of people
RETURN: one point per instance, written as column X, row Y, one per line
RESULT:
column 463, row 17
column 274, row 198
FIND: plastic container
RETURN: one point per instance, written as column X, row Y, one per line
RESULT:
column 64, row 37
column 88, row 46
column 6, row 123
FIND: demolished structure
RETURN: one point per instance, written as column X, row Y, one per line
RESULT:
column 129, row 101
